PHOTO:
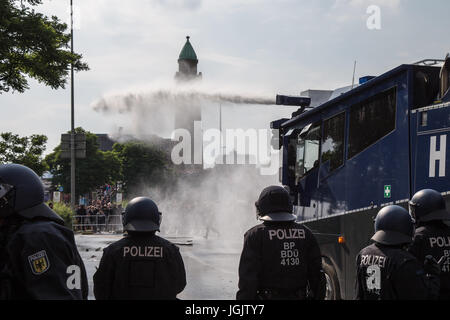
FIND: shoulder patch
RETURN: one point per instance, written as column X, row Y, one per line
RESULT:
column 39, row 262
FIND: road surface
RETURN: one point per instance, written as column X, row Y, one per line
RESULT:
column 211, row 265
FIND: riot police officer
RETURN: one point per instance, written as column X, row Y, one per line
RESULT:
column 432, row 236
column 141, row 265
column 281, row 259
column 386, row 271
column 38, row 255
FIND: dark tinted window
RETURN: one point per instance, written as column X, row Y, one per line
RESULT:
column 426, row 87
column 371, row 120
column 333, row 141
column 291, row 156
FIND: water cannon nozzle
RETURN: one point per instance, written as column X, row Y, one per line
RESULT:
column 293, row 101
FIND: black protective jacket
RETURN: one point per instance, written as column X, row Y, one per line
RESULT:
column 140, row 267
column 280, row 261
column 391, row 273
column 39, row 260
column 433, row 238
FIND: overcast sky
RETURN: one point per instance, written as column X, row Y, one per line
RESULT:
column 257, row 47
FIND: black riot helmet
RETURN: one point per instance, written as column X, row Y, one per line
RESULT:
column 142, row 215
column 393, row 226
column 22, row 193
column 274, row 204
column 428, row 205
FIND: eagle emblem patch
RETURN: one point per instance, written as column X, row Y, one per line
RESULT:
column 39, row 262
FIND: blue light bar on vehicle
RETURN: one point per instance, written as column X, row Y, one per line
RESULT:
column 363, row 80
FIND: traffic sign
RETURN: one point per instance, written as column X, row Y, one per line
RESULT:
column 56, row 196
column 80, row 145
column 119, row 197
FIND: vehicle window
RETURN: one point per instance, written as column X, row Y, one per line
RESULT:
column 292, row 159
column 426, row 88
column 371, row 120
column 333, row 141
column 307, row 152
column 299, row 164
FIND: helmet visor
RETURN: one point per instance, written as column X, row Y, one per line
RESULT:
column 412, row 210
column 441, row 214
column 4, row 191
column 388, row 237
column 278, row 217
column 7, row 196
column 141, row 226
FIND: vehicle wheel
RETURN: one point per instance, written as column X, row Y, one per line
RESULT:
column 332, row 283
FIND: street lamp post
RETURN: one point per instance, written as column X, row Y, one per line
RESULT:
column 222, row 136
column 72, row 135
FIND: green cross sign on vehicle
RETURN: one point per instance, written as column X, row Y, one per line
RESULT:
column 387, row 191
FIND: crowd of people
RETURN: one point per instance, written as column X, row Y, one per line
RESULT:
column 98, row 216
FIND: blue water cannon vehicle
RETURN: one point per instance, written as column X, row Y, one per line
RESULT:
column 349, row 152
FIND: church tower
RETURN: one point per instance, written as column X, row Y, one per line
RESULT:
column 187, row 114
column 187, row 64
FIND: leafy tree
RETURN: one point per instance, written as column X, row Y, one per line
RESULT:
column 97, row 169
column 134, row 163
column 113, row 166
column 65, row 212
column 142, row 163
column 24, row 150
column 34, row 45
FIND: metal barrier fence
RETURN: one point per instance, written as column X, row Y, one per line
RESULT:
column 97, row 223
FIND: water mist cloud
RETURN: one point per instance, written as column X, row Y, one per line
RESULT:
column 128, row 102
column 216, row 202
column 152, row 111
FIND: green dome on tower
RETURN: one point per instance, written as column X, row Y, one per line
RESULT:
column 187, row 53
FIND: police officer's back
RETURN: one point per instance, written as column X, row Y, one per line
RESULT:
column 386, row 271
column 432, row 235
column 280, row 258
column 141, row 265
column 38, row 255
